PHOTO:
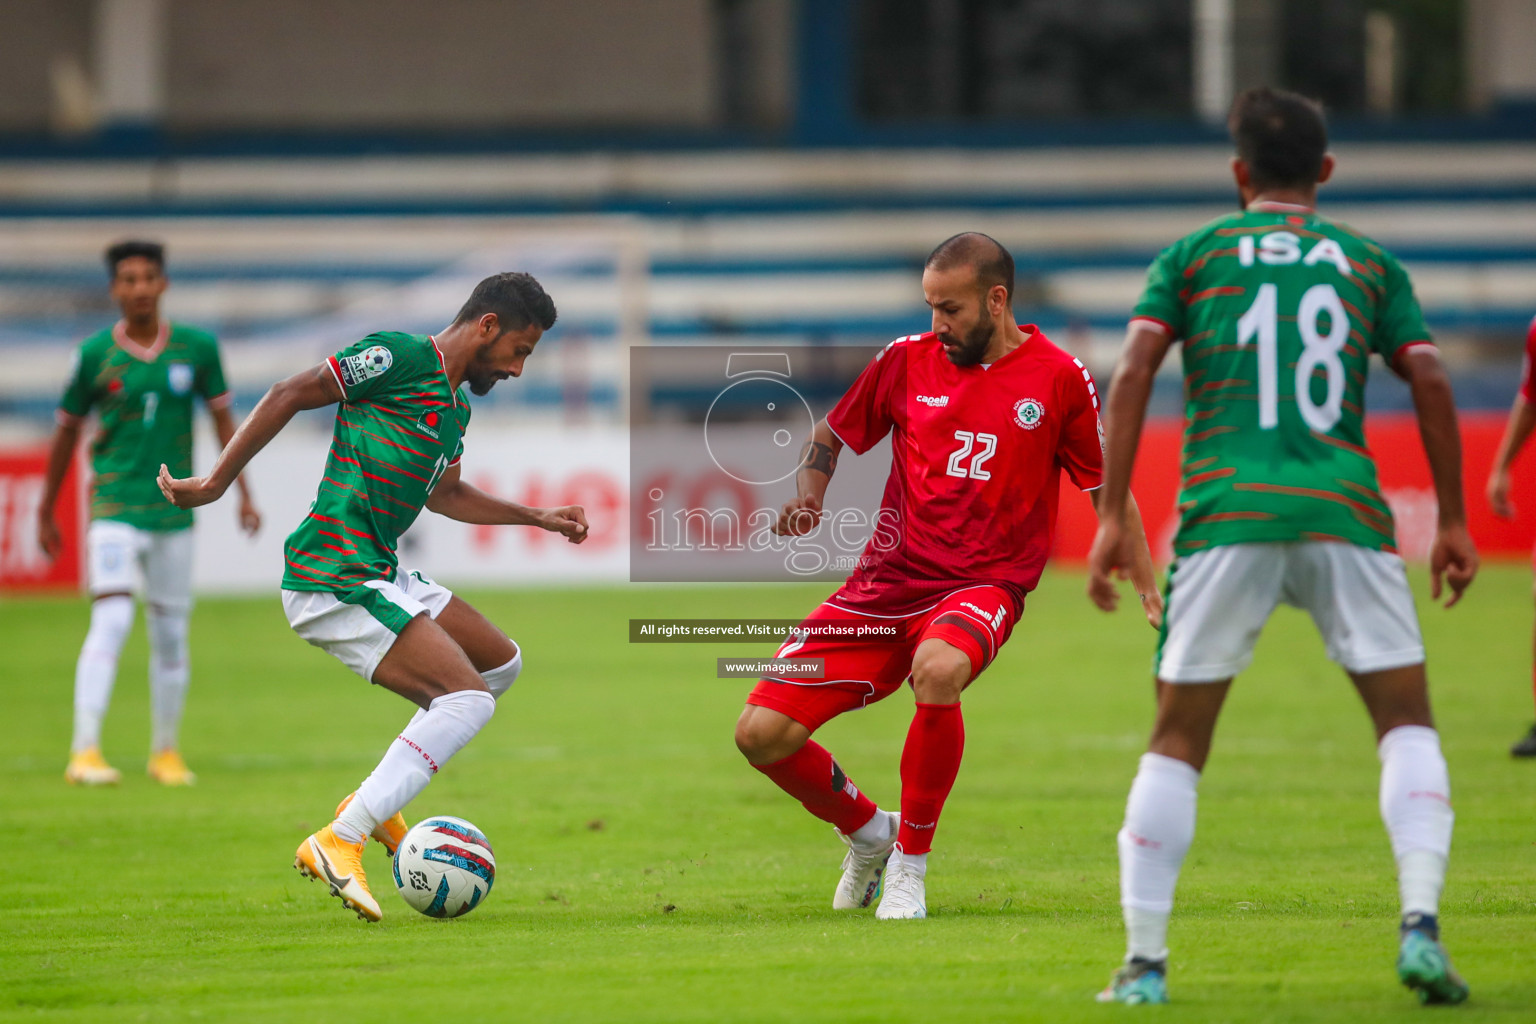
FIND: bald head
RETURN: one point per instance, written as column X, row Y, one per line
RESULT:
column 982, row 253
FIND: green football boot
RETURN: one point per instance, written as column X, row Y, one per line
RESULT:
column 1424, row 966
column 1139, row 981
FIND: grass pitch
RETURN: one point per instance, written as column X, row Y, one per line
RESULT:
column 647, row 874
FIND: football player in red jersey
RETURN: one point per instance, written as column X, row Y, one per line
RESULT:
column 1522, row 419
column 986, row 415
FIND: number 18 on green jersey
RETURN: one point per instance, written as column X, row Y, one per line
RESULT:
column 1279, row 311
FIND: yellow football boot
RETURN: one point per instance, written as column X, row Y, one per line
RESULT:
column 340, row 865
column 388, row 833
column 168, row 769
column 89, row 768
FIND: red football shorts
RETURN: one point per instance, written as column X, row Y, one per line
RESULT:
column 859, row 672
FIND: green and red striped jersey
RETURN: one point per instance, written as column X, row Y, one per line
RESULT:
column 1279, row 311
column 143, row 397
column 398, row 427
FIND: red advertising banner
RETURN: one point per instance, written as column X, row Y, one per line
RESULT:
column 23, row 566
column 1405, row 481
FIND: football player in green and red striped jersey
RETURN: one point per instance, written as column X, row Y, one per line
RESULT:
column 1279, row 310
column 395, row 450
column 142, row 377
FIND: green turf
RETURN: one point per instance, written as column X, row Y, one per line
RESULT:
column 647, row 874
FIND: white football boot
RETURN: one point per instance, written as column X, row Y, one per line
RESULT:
column 904, row 898
column 863, row 868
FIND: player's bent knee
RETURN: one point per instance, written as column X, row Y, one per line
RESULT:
column 764, row 737
column 500, row 679
column 750, row 738
column 940, row 672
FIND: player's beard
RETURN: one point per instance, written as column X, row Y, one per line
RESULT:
column 479, row 376
column 973, row 345
column 480, row 382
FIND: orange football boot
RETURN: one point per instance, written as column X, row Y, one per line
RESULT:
column 340, row 865
column 168, row 769
column 88, row 768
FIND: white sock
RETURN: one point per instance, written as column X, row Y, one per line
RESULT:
column 916, row 863
column 423, row 747
column 168, row 673
column 1159, row 826
column 873, row 833
column 1416, row 807
column 96, row 669
column 500, row 679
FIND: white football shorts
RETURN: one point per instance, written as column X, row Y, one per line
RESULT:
column 123, row 559
column 357, row 636
column 1220, row 598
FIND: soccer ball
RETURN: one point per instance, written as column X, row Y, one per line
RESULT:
column 444, row 867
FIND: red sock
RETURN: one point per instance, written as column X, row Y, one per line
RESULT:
column 812, row 777
column 929, row 763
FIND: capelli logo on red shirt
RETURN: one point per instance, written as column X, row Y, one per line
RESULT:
column 933, row 402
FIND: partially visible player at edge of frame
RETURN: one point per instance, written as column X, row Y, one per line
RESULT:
column 986, row 415
column 1280, row 503
column 1522, row 419
column 141, row 376
column 395, row 449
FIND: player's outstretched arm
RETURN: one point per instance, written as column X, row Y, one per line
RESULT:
column 454, row 498
column 818, row 461
column 307, row 390
column 1129, row 391
column 1522, row 420
column 65, row 437
column 224, row 427
column 1453, row 558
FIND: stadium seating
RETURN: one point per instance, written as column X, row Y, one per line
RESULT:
column 287, row 257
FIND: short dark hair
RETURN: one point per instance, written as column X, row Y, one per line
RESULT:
column 1281, row 136
column 131, row 247
column 517, row 300
column 993, row 263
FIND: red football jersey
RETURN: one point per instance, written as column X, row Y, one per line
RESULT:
column 1527, row 391
column 975, row 471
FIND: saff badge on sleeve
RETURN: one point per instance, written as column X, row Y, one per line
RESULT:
column 365, row 365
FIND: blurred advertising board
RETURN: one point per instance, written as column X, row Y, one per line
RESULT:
column 23, row 566
column 591, row 466
column 538, row 466
column 1403, row 472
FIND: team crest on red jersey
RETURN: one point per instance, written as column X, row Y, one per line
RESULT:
column 1028, row 413
column 429, row 422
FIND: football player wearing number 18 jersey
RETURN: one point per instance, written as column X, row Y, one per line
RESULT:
column 395, row 450
column 1279, row 311
column 985, row 415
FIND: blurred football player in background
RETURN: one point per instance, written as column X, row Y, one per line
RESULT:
column 142, row 377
